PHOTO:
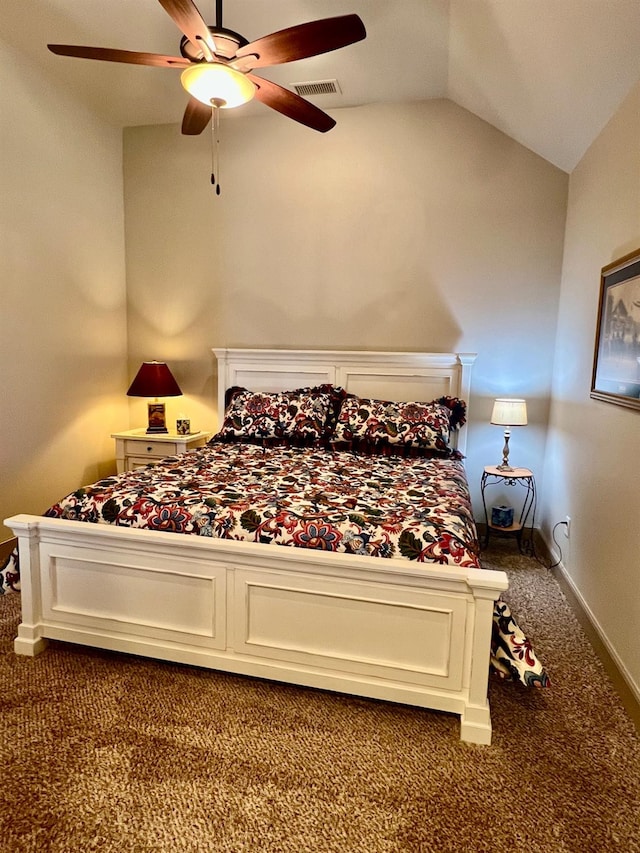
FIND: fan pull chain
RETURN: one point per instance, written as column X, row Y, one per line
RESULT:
column 215, row 145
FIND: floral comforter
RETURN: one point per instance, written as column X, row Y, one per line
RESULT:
column 375, row 505
column 380, row 506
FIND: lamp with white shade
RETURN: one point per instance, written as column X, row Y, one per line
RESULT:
column 508, row 412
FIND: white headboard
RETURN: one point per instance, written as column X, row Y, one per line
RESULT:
column 398, row 376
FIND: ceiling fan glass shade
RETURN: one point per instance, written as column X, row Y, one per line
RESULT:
column 154, row 379
column 217, row 84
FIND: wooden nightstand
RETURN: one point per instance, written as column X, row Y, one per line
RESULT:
column 492, row 476
column 135, row 448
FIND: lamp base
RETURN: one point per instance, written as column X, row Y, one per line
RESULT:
column 504, row 466
column 157, row 418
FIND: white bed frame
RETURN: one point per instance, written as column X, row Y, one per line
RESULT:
column 388, row 629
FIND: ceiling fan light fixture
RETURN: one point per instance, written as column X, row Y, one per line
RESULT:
column 217, row 84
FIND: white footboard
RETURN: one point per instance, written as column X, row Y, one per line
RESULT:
column 386, row 629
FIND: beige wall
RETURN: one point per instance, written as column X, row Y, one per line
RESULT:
column 594, row 447
column 62, row 291
column 414, row 226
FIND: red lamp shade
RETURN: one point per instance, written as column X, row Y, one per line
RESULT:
column 154, row 379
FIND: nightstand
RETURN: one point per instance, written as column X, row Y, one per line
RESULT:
column 135, row 448
column 522, row 477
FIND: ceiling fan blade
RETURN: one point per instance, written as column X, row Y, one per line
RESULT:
column 196, row 117
column 188, row 19
column 109, row 55
column 291, row 105
column 303, row 40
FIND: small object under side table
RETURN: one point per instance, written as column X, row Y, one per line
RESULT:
column 493, row 475
column 136, row 448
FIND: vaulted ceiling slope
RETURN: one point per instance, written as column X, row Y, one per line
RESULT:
column 549, row 73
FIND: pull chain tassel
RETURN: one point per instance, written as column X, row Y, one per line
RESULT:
column 215, row 147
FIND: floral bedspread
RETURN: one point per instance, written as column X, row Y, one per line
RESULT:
column 380, row 506
column 374, row 505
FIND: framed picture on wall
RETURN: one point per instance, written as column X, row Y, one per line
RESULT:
column 616, row 362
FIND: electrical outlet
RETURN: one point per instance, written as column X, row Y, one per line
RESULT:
column 567, row 526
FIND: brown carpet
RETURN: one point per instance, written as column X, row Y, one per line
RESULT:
column 102, row 752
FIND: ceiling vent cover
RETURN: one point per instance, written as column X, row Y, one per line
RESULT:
column 318, row 87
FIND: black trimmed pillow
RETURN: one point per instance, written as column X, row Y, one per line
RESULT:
column 252, row 416
column 367, row 425
column 302, row 417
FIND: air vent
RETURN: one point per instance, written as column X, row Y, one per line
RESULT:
column 318, row 87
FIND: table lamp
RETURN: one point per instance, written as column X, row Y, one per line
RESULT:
column 154, row 379
column 508, row 412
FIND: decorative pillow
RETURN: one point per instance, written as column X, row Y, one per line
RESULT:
column 305, row 416
column 414, row 428
column 457, row 409
column 253, row 416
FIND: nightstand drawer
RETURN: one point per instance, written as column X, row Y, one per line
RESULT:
column 133, row 462
column 148, row 448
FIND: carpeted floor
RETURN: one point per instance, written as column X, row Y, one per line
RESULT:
column 101, row 752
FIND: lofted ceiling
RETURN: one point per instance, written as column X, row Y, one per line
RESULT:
column 549, row 73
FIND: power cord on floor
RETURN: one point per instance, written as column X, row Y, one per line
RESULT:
column 529, row 547
column 553, row 536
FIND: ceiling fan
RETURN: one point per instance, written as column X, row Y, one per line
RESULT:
column 217, row 63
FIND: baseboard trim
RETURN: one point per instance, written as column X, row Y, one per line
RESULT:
column 623, row 682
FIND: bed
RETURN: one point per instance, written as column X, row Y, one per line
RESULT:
column 394, row 613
